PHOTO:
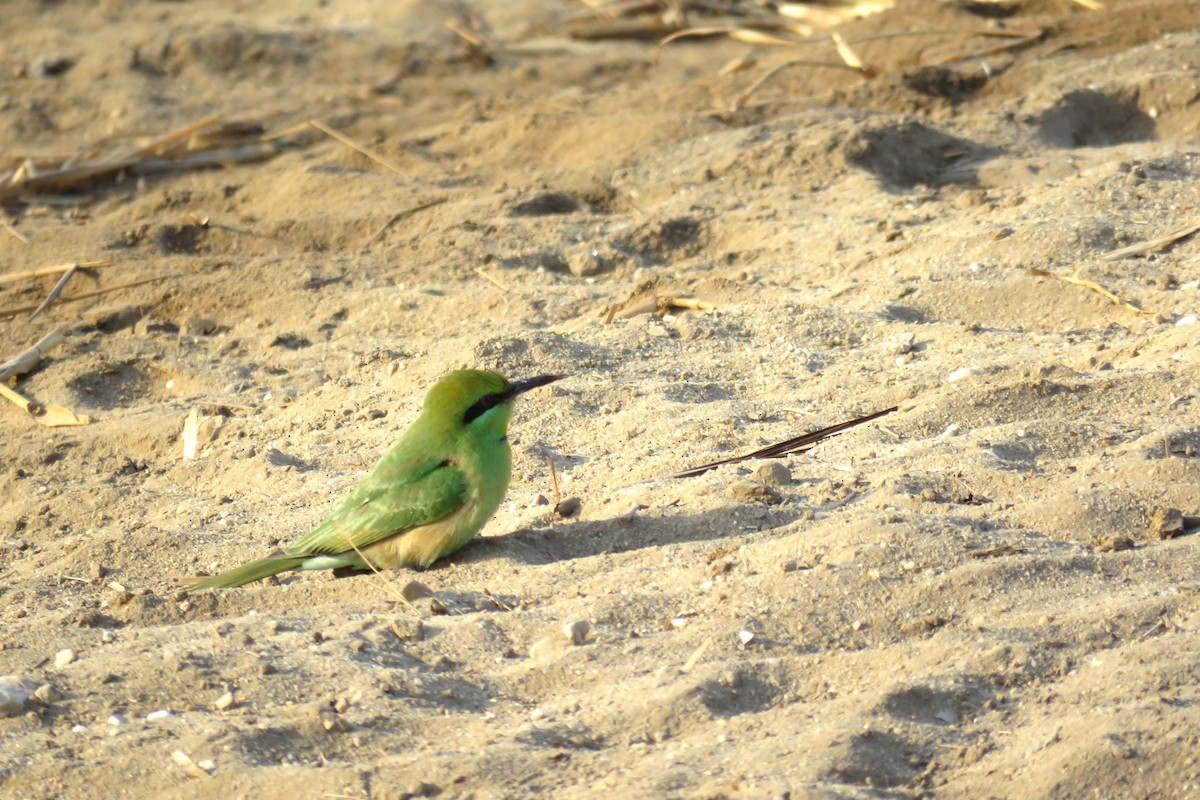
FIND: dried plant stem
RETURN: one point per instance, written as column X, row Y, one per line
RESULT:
column 399, row 215
column 29, row 358
column 13, row 277
column 18, row 310
column 50, row 416
column 55, row 292
column 739, row 102
column 355, row 146
column 1153, row 245
column 1095, row 287
column 16, row 234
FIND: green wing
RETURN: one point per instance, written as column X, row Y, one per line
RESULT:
column 397, row 495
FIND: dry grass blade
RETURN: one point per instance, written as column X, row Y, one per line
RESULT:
column 500, row 604
column 471, row 29
column 18, row 310
column 16, row 234
column 399, row 215
column 161, row 144
column 205, row 143
column 1153, row 245
column 355, row 146
column 55, row 292
column 633, row 29
column 191, row 432
column 49, row 416
column 389, row 586
column 1018, row 41
column 29, row 358
column 851, row 58
column 624, row 8
column 216, row 157
column 554, row 481
column 692, row 303
column 695, row 657
column 748, row 35
column 798, row 444
column 740, row 101
column 190, row 767
column 992, row 552
column 13, row 277
column 491, row 279
column 1093, row 286
column 824, row 16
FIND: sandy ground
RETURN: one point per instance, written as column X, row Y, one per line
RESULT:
column 991, row 593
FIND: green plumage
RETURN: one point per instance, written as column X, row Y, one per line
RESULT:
column 429, row 495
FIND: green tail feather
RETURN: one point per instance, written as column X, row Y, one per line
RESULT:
column 248, row 573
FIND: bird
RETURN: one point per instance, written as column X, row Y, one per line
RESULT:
column 430, row 493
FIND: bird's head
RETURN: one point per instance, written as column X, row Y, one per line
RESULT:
column 477, row 400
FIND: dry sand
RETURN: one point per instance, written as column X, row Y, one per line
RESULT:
column 973, row 597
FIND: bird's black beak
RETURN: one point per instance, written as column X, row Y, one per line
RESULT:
column 520, row 387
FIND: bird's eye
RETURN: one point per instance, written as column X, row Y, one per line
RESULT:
column 482, row 405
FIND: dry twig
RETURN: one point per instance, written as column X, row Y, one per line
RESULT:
column 1153, row 245
column 355, row 146
column 739, row 102
column 8, row 313
column 50, row 416
column 399, row 215
column 1093, row 286
column 55, row 292
column 799, row 444
column 16, row 234
column 29, row 358
column 206, row 143
column 13, row 277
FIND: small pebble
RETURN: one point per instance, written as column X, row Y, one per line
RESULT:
column 47, row 694
column 52, row 66
column 331, row 722
column 64, row 657
column 197, row 326
column 155, row 716
column 901, row 345
column 745, row 491
column 1119, row 747
column 1166, row 523
column 577, row 631
column 587, row 261
column 224, row 702
column 568, row 507
column 569, row 636
column 117, row 719
column 79, row 729
column 148, row 326
column 415, row 590
column 15, row 691
column 773, row 474
column 962, row 372
column 745, row 637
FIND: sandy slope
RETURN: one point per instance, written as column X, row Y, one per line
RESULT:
column 971, row 598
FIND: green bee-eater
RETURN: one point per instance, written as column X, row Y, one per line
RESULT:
column 429, row 494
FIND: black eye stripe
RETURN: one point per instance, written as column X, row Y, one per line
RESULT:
column 483, row 404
